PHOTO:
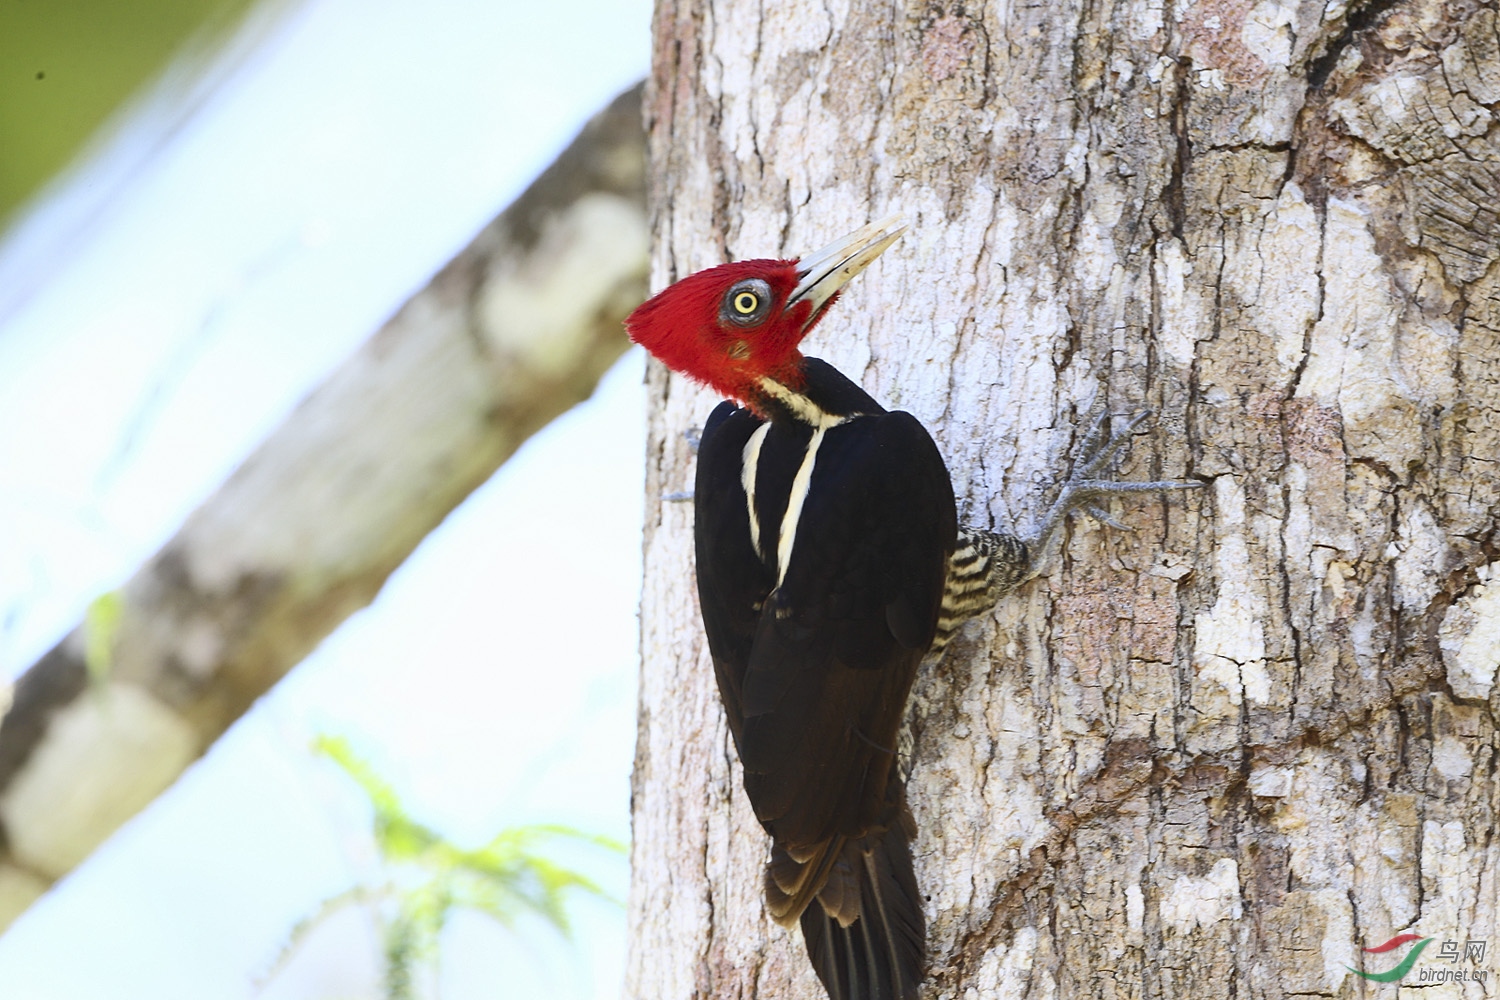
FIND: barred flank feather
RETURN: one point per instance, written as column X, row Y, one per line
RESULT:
column 984, row 567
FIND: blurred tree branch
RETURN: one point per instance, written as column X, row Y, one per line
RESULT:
column 513, row 331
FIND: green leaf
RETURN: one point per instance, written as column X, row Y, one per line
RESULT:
column 430, row 876
column 101, row 625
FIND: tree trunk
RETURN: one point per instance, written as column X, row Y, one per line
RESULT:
column 1218, row 754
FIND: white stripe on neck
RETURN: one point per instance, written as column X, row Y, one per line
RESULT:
column 802, row 408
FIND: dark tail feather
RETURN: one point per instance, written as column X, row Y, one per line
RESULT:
column 879, row 956
column 791, row 884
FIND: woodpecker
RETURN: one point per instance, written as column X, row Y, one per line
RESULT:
column 830, row 565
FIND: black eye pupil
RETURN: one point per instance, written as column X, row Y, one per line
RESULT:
column 745, row 302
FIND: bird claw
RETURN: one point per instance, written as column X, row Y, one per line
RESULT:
column 1088, row 448
column 1106, row 518
column 1100, row 446
column 681, row 496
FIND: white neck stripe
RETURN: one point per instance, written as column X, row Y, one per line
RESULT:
column 802, row 408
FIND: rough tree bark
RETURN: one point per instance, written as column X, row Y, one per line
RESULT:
column 511, row 332
column 1216, row 755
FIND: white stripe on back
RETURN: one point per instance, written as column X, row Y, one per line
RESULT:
column 794, row 503
column 749, row 463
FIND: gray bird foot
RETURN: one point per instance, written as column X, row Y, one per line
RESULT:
column 1083, row 487
column 694, row 437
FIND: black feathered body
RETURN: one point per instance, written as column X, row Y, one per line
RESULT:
column 823, row 540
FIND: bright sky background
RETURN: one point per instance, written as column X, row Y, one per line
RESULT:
column 145, row 351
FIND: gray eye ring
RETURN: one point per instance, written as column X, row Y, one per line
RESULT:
column 746, row 303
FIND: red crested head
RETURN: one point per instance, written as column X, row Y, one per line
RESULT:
column 733, row 325
column 728, row 326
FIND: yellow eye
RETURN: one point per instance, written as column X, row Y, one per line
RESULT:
column 745, row 303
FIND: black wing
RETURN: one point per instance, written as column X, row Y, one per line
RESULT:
column 733, row 582
column 836, row 645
